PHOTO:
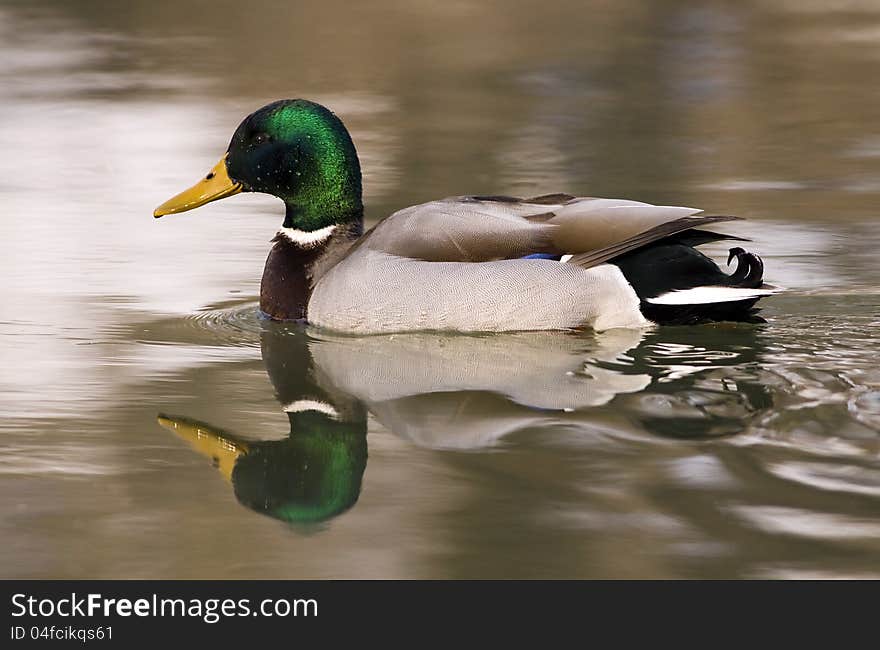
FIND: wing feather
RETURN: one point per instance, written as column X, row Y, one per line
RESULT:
column 601, row 255
column 487, row 228
column 464, row 229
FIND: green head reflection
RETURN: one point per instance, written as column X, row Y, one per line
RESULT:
column 312, row 475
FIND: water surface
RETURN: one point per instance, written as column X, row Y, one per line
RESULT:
column 153, row 426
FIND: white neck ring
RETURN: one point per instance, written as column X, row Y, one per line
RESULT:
column 307, row 238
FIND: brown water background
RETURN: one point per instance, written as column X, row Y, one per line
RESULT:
column 724, row 451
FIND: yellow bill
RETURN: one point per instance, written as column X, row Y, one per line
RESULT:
column 216, row 185
column 207, row 441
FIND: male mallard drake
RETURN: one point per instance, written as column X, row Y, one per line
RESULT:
column 468, row 263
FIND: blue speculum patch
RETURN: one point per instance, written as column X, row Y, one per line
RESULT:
column 542, row 256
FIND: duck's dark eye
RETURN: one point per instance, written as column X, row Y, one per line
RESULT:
column 260, row 138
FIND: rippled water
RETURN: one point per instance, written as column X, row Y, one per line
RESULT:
column 153, row 426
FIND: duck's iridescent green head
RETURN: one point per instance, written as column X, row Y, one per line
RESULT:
column 293, row 149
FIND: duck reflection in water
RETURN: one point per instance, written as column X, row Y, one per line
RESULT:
column 315, row 472
column 467, row 392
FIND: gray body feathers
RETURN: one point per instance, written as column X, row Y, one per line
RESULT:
column 455, row 264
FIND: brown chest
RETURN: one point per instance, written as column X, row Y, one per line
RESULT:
column 291, row 271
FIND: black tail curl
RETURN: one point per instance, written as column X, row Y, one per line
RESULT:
column 749, row 272
column 674, row 265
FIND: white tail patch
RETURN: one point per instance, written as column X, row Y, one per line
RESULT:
column 707, row 295
column 308, row 238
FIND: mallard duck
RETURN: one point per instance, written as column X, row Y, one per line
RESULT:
column 465, row 263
